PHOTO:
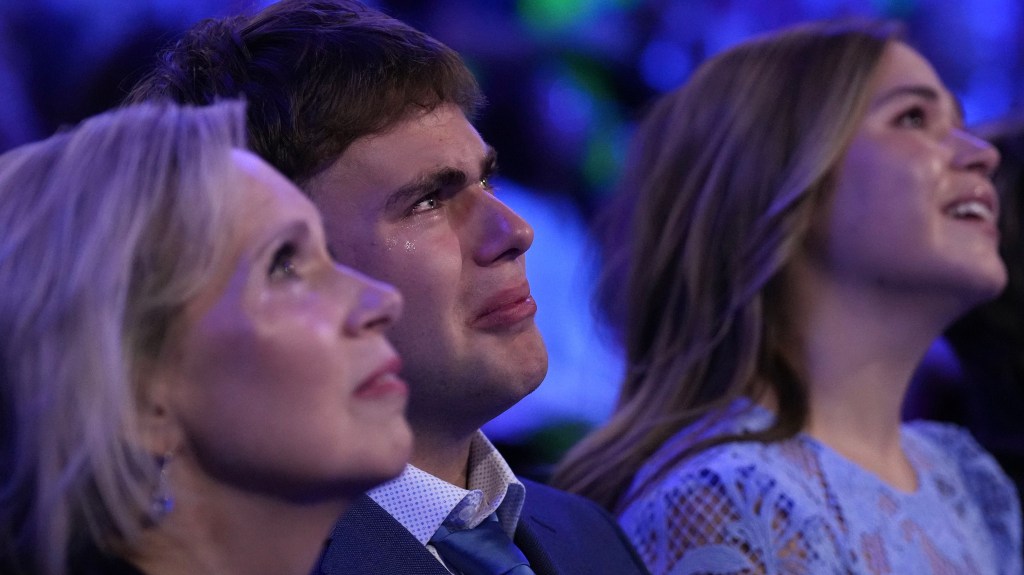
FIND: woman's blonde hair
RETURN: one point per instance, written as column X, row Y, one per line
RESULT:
column 106, row 230
column 721, row 189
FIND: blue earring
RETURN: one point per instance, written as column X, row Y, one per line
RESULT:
column 163, row 501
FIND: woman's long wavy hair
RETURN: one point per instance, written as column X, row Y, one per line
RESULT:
column 106, row 231
column 724, row 180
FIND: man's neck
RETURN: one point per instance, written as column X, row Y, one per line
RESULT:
column 444, row 458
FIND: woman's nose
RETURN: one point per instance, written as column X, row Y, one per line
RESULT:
column 376, row 307
column 974, row 153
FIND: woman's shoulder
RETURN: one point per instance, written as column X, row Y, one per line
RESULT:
column 949, row 453
column 941, row 432
column 744, row 502
column 742, row 474
column 951, row 456
column 737, row 470
column 944, row 445
column 734, row 461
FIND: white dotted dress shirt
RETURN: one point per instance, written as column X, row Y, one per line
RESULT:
column 422, row 502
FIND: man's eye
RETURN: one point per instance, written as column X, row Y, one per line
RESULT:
column 486, row 184
column 912, row 118
column 428, row 203
column 282, row 266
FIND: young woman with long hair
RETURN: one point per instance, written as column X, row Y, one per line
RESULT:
column 808, row 214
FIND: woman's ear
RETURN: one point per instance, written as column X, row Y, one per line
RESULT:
column 160, row 431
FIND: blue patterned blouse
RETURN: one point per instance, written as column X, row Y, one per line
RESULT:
column 797, row 506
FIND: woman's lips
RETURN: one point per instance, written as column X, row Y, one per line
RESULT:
column 383, row 382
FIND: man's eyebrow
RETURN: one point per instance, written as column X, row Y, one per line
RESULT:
column 440, row 178
column 425, row 184
column 921, row 91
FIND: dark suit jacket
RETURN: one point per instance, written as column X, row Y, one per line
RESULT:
column 560, row 533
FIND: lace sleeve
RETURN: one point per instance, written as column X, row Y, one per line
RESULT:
column 731, row 515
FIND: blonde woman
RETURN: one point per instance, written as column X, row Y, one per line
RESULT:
column 809, row 215
column 188, row 383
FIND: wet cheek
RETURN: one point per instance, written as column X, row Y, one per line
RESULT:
column 410, row 261
column 427, row 280
column 405, row 238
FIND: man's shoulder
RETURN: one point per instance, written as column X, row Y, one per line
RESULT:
column 541, row 497
column 558, row 532
column 564, row 533
column 368, row 540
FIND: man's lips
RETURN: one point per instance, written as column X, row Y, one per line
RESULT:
column 383, row 382
column 506, row 308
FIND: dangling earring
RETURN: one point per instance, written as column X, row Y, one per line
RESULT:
column 163, row 501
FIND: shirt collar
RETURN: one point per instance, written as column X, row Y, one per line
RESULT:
column 422, row 502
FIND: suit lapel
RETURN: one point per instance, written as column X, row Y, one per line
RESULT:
column 531, row 535
column 369, row 541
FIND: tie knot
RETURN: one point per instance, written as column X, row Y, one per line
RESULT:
column 483, row 550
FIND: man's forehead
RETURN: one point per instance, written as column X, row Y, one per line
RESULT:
column 420, row 145
column 418, row 148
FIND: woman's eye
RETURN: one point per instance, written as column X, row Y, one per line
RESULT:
column 430, row 202
column 282, row 266
column 912, row 118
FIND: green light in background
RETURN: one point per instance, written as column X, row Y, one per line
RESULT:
column 605, row 154
column 554, row 15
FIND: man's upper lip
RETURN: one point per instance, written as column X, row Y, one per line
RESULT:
column 504, row 298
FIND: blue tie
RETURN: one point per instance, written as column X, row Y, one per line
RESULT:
column 482, row 550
